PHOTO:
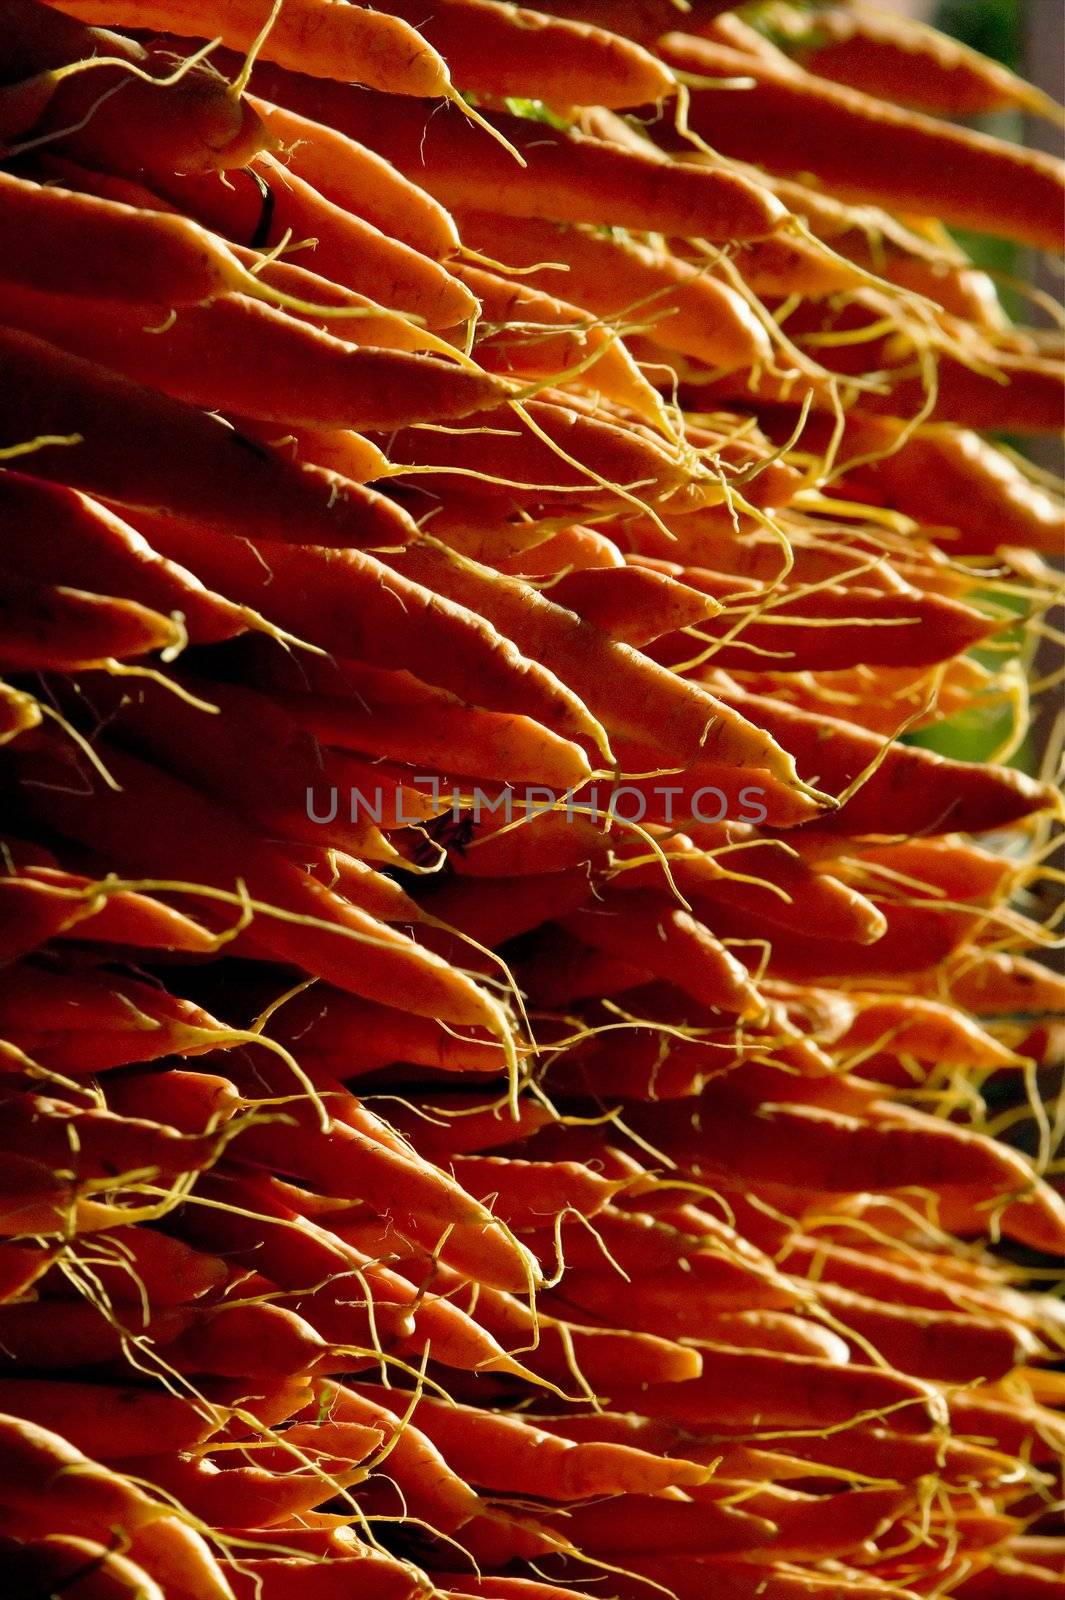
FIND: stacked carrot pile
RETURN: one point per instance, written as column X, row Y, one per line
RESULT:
column 505, row 1029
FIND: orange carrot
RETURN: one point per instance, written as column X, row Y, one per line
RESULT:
column 236, row 354
column 112, row 116
column 867, row 150
column 141, row 448
column 319, row 930
column 952, row 478
column 347, row 250
column 895, row 58
column 528, row 332
column 82, row 1496
column 52, row 627
column 55, row 240
column 352, row 604
column 632, row 605
column 87, row 545
column 320, row 37
column 486, row 744
column 520, row 52
column 683, row 308
column 355, row 178
column 911, row 791
column 631, row 694
column 61, row 1563
column 568, row 176
column 647, row 929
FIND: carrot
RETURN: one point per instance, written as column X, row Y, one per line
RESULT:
column 1018, row 1426
column 548, row 842
column 993, row 983
column 683, row 308
column 102, row 1143
column 575, row 548
column 838, row 1152
column 1009, row 1579
column 358, row 180
column 54, row 627
column 206, row 471
column 631, row 605
column 189, row 1101
column 602, row 1355
column 607, row 462
column 753, row 1388
column 87, row 545
column 55, row 240
column 912, row 790
column 896, row 58
column 867, row 150
column 789, row 264
column 21, row 1266
column 566, row 175
column 19, row 712
column 133, row 1262
column 523, row 53
column 320, row 931
column 651, row 1523
column 82, row 1568
column 900, row 1456
column 951, row 477
column 352, row 604
column 680, row 1306
column 528, row 332
column 334, row 309
column 927, row 1029
column 127, row 118
column 506, row 1453
column 642, row 20
column 236, row 354
column 249, row 1496
column 222, row 751
column 431, row 1489
column 84, row 1497
column 668, row 714
column 347, row 250
column 32, row 913
column 949, row 1345
column 358, row 1035
column 320, row 37
column 489, row 744
column 833, row 629
column 807, row 895
column 276, row 1577
column 337, row 450
column 341, row 1291
column 646, row 928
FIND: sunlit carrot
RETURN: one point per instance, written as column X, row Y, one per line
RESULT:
column 56, row 240
column 898, row 59
column 300, row 375
column 869, row 150
column 354, row 177
column 530, row 332
column 912, row 790
column 682, row 308
column 207, row 470
column 352, row 604
column 567, row 175
column 347, row 250
column 314, row 36
column 678, row 716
